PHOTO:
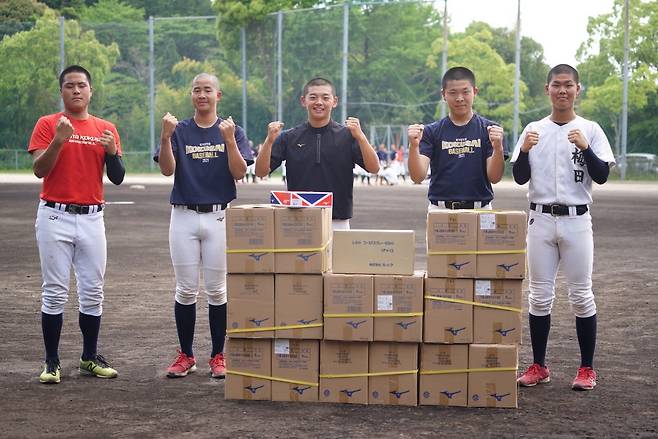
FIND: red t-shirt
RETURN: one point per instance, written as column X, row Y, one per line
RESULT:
column 77, row 176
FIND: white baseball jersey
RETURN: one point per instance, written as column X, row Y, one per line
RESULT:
column 558, row 171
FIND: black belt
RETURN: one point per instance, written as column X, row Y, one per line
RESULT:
column 459, row 204
column 75, row 208
column 203, row 208
column 559, row 209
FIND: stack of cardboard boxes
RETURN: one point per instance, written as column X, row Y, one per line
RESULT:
column 275, row 259
column 361, row 326
column 475, row 268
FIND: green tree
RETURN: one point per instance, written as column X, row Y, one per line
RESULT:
column 601, row 58
column 17, row 15
column 29, row 85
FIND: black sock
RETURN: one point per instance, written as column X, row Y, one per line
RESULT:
column 540, row 326
column 51, row 326
column 586, row 330
column 217, row 320
column 90, row 327
column 185, row 321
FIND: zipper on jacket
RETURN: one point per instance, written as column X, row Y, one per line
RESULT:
column 317, row 148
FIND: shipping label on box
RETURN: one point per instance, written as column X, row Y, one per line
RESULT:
column 250, row 307
column 402, row 298
column 245, row 357
column 501, row 245
column 499, row 321
column 348, row 307
column 449, row 320
column 443, row 375
column 297, row 362
column 394, row 373
column 451, row 243
column 250, row 239
column 344, row 372
column 492, row 375
column 302, row 199
column 374, row 251
column 298, row 303
column 302, row 240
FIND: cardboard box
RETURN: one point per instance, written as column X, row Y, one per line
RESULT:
column 374, row 251
column 298, row 302
column 495, row 388
column 448, row 322
column 491, row 325
column 399, row 363
column 503, row 232
column 250, row 305
column 352, row 295
column 344, row 358
column 302, row 240
column 398, row 295
column 295, row 360
column 251, row 357
column 438, row 385
column 450, row 234
column 250, row 239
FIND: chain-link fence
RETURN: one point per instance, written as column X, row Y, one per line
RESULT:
column 384, row 58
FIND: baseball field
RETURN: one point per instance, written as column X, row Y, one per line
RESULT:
column 138, row 334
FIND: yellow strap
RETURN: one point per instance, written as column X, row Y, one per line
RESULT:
column 478, row 252
column 482, row 369
column 273, row 328
column 269, row 378
column 468, row 302
column 370, row 374
column 279, row 250
column 376, row 314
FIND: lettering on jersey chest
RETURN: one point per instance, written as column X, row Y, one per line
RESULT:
column 578, row 160
column 461, row 147
column 84, row 140
column 204, row 151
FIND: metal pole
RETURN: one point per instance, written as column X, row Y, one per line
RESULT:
column 151, row 92
column 243, row 38
column 279, row 69
column 346, row 41
column 624, row 105
column 62, row 54
column 444, row 54
column 517, row 74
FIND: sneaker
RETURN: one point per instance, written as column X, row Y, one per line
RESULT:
column 98, row 367
column 217, row 366
column 585, row 379
column 181, row 366
column 535, row 374
column 51, row 372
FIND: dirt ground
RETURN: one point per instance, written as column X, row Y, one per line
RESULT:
column 138, row 335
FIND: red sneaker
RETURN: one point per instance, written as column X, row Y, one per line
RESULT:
column 181, row 366
column 217, row 366
column 535, row 374
column 585, row 379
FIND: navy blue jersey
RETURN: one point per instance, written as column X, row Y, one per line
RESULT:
column 202, row 175
column 458, row 159
column 320, row 160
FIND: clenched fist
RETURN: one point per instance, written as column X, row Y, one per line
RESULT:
column 107, row 140
column 273, row 129
column 63, row 129
column 353, row 124
column 578, row 138
column 415, row 133
column 495, row 136
column 227, row 128
column 169, row 123
column 530, row 140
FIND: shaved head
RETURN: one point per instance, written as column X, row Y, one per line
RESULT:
column 207, row 76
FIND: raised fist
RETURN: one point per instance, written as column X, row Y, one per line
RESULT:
column 415, row 133
column 63, row 129
column 227, row 128
column 169, row 123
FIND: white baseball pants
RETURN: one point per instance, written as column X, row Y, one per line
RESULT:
column 63, row 239
column 197, row 242
column 566, row 240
